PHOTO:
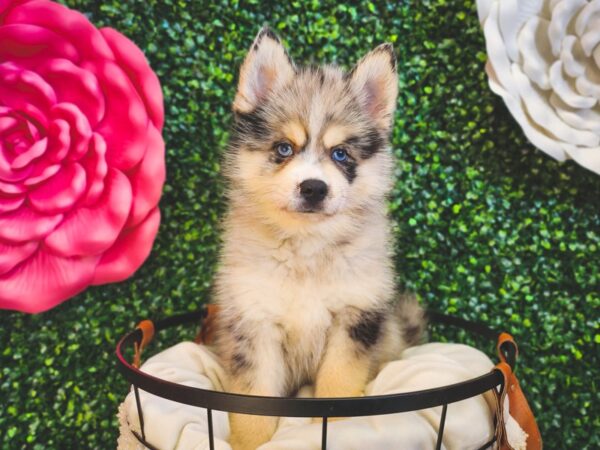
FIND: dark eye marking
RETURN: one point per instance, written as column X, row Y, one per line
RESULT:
column 348, row 168
column 367, row 144
column 344, row 162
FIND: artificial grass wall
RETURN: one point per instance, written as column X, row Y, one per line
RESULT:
column 488, row 228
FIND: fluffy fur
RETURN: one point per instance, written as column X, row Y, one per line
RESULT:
column 306, row 290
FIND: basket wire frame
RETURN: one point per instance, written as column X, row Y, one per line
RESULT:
column 308, row 407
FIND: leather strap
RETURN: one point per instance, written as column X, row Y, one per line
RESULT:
column 147, row 328
column 507, row 349
column 518, row 407
column 208, row 326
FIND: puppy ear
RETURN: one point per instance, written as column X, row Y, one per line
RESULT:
column 266, row 68
column 375, row 82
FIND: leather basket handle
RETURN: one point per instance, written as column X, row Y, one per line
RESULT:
column 206, row 334
column 518, row 406
column 147, row 328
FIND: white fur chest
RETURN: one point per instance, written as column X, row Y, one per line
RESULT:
column 297, row 280
column 295, row 283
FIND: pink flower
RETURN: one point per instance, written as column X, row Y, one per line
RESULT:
column 81, row 155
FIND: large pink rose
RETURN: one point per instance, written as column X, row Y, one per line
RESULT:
column 81, row 155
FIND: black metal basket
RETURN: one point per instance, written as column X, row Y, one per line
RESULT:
column 309, row 407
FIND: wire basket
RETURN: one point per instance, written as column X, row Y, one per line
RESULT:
column 307, row 407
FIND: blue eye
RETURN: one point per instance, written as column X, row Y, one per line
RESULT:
column 339, row 154
column 284, row 149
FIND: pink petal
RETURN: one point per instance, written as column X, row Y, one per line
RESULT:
column 35, row 151
column 33, row 131
column 20, row 87
column 96, row 169
column 11, row 255
column 125, row 123
column 45, row 280
column 6, row 4
column 81, row 131
column 28, row 116
column 10, row 203
column 148, row 179
column 60, row 192
column 71, row 24
column 129, row 252
column 134, row 63
column 33, row 118
column 11, row 188
column 88, row 231
column 59, row 137
column 25, row 224
column 7, row 172
column 42, row 174
column 34, row 44
column 75, row 85
column 7, row 123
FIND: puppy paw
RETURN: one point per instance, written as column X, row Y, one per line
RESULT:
column 249, row 432
column 238, row 443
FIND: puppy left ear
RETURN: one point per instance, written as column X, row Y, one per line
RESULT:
column 375, row 82
column 266, row 68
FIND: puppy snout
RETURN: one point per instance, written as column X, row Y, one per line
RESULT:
column 313, row 191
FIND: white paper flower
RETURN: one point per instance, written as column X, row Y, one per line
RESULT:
column 544, row 61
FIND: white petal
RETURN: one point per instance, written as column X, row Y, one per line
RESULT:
column 493, row 81
column 553, row 4
column 509, row 26
column 585, row 15
column 562, row 14
column 508, row 18
column 542, row 114
column 565, row 91
column 536, row 52
column 496, row 50
column 530, row 8
column 597, row 56
column 586, row 157
column 542, row 141
column 512, row 15
column 571, row 55
column 546, row 12
column 591, row 38
column 589, row 83
column 483, row 9
column 584, row 119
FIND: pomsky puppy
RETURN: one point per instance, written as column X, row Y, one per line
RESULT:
column 305, row 285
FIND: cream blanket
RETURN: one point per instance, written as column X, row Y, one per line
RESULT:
column 175, row 426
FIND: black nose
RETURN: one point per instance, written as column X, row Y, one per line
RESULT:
column 313, row 191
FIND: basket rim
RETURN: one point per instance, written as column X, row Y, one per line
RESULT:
column 307, row 407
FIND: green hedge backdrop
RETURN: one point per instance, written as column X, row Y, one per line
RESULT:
column 488, row 228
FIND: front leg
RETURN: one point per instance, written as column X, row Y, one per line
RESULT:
column 350, row 354
column 255, row 364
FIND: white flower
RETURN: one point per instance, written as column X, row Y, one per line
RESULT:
column 544, row 61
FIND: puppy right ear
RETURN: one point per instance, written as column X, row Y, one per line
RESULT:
column 266, row 68
column 375, row 81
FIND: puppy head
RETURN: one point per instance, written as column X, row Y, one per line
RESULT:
column 310, row 145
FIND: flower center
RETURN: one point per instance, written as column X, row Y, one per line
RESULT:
column 22, row 141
